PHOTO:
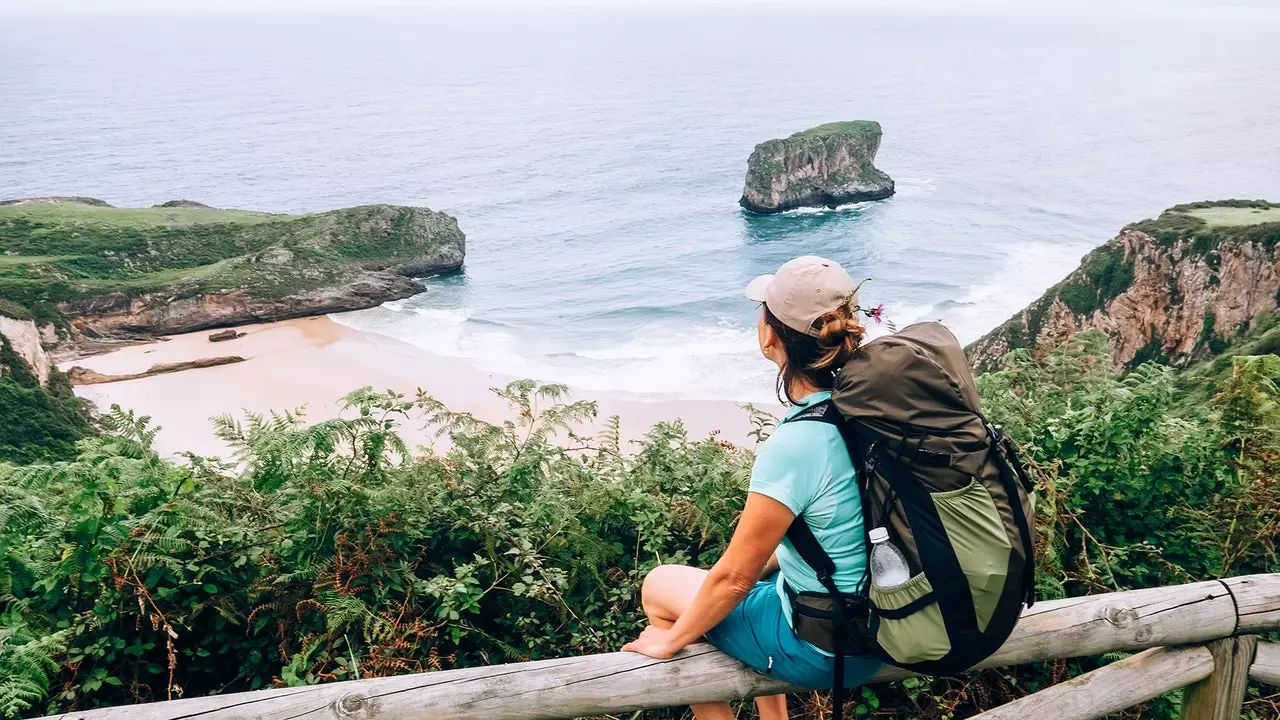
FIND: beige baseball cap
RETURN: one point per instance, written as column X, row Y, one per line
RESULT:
column 804, row 290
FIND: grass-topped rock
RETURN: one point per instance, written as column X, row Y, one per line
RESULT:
column 98, row 271
column 1178, row 288
column 825, row 166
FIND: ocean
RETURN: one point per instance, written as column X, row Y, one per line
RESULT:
column 594, row 157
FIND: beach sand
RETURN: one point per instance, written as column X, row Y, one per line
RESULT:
column 312, row 363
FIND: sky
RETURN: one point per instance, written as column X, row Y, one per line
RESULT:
column 316, row 6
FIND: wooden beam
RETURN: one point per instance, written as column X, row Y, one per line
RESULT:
column 1258, row 598
column 616, row 683
column 1266, row 664
column 1219, row 696
column 1122, row 684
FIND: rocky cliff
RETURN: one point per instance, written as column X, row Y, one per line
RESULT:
column 23, row 338
column 98, row 271
column 1176, row 289
column 826, row 166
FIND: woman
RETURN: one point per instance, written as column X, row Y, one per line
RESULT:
column 808, row 327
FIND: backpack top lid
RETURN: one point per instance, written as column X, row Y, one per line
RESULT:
column 917, row 376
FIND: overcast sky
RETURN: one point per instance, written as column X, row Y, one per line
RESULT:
column 311, row 6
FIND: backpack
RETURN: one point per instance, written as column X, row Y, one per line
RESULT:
column 949, row 488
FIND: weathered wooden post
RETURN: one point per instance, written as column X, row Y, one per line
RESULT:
column 1266, row 664
column 1219, row 696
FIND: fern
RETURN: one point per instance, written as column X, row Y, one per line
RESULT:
column 26, row 666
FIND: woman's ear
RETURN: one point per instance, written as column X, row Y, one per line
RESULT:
column 768, row 338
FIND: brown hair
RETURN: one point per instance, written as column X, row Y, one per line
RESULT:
column 816, row 359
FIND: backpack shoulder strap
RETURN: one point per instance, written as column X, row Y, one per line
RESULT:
column 824, row 412
column 801, row 537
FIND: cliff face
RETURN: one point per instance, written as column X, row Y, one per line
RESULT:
column 24, row 338
column 99, row 271
column 122, row 315
column 1175, row 289
column 825, row 166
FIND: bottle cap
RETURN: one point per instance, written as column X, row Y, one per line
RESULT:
column 879, row 535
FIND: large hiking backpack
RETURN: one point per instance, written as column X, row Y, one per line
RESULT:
column 956, row 501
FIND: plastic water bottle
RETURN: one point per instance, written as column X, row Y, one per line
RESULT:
column 888, row 565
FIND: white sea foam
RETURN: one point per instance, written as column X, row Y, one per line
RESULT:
column 1022, row 277
column 849, row 207
column 711, row 361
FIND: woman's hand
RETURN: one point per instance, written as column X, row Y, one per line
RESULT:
column 653, row 642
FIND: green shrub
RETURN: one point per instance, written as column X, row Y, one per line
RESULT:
column 13, row 310
column 330, row 551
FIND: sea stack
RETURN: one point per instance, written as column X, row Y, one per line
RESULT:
column 825, row 166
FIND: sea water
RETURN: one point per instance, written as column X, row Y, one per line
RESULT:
column 595, row 156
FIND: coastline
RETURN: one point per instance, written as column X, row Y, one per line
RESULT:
column 313, row 362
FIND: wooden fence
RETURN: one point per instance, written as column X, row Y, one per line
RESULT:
column 1200, row 636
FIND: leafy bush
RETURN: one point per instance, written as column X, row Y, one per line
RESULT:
column 331, row 551
column 36, row 423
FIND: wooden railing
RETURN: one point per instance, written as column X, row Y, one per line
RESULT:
column 1200, row 636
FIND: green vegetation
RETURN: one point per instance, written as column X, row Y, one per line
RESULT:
column 1209, row 224
column 1222, row 216
column 36, row 424
column 13, row 310
column 1191, row 232
column 67, row 251
column 330, row 551
column 848, row 127
column 1104, row 275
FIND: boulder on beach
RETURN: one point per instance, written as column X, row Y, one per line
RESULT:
column 225, row 335
column 825, row 166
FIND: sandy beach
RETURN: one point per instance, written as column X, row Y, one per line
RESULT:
column 312, row 363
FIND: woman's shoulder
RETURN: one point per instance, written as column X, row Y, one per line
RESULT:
column 798, row 441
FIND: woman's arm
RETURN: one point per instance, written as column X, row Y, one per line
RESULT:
column 770, row 567
column 761, row 528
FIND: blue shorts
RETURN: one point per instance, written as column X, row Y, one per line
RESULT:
column 757, row 634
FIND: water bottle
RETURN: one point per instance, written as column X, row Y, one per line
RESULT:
column 888, row 565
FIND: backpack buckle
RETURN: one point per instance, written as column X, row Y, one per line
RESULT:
column 872, row 460
column 996, row 433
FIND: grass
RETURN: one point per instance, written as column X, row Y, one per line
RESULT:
column 68, row 251
column 7, row 260
column 1236, row 217
column 839, row 128
column 66, row 212
column 11, row 309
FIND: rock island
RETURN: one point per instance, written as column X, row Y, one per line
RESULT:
column 826, row 166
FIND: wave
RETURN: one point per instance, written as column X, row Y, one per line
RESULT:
column 665, row 360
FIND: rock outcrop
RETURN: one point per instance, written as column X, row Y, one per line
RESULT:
column 1176, row 289
column 182, row 204
column 59, row 200
column 108, row 273
column 826, row 166
column 24, row 337
column 226, row 335
column 84, row 376
column 122, row 315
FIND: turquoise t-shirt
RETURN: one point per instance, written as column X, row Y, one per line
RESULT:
column 805, row 466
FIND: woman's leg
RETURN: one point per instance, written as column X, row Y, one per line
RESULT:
column 668, row 590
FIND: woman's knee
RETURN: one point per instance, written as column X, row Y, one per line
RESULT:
column 655, row 584
column 668, row 589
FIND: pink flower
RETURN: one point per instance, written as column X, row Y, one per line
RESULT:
column 877, row 313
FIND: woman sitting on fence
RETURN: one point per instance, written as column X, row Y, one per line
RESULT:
column 809, row 327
